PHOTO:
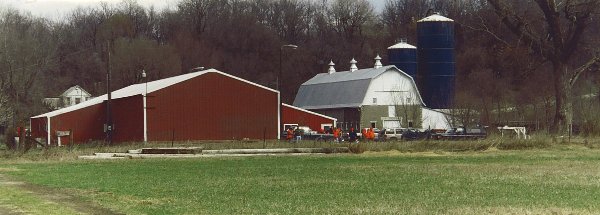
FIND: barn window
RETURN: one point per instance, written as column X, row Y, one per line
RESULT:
column 408, row 100
column 374, row 100
column 391, row 111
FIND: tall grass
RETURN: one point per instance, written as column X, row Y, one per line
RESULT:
column 71, row 152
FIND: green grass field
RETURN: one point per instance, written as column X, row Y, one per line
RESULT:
column 561, row 179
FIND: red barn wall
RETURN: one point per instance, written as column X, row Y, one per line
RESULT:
column 128, row 119
column 85, row 124
column 88, row 123
column 294, row 116
column 212, row 107
column 38, row 127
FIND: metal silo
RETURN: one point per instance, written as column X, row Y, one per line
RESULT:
column 436, row 60
column 404, row 56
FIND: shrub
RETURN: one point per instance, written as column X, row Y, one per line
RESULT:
column 356, row 148
column 9, row 139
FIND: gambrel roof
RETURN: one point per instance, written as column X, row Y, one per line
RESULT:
column 341, row 89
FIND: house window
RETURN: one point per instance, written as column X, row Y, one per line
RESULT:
column 373, row 124
column 408, row 100
column 77, row 100
column 374, row 100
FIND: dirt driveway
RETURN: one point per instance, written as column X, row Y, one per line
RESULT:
column 44, row 195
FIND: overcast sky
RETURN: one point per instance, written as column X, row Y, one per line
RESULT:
column 53, row 9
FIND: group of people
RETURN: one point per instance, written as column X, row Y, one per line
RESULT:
column 295, row 133
column 368, row 133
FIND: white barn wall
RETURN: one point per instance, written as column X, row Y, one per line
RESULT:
column 382, row 86
column 434, row 119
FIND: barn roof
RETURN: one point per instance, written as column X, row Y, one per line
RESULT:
column 307, row 111
column 340, row 89
column 140, row 89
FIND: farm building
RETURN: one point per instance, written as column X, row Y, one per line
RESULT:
column 379, row 97
column 72, row 96
column 388, row 96
column 294, row 116
column 205, row 105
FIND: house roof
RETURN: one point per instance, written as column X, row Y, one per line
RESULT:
column 73, row 88
column 140, row 89
column 340, row 89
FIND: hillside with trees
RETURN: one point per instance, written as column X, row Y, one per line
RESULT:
column 530, row 62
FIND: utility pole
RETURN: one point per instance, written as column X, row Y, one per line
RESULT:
column 109, row 126
column 279, row 87
column 279, row 76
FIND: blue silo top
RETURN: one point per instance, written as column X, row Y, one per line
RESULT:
column 404, row 57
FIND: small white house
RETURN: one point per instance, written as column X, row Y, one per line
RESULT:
column 71, row 96
column 74, row 95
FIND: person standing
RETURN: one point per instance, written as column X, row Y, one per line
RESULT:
column 371, row 134
column 352, row 135
column 336, row 134
column 290, row 134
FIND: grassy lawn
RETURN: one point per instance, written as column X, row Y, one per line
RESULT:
column 560, row 179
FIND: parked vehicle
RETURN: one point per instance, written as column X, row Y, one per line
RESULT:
column 309, row 134
column 394, row 133
column 415, row 134
column 462, row 133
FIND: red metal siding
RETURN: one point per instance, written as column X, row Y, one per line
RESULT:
column 212, row 107
column 86, row 124
column 128, row 119
column 294, row 116
column 39, row 127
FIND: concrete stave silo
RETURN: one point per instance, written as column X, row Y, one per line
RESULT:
column 436, row 64
column 404, row 57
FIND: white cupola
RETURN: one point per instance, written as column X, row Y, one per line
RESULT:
column 331, row 68
column 378, row 62
column 353, row 66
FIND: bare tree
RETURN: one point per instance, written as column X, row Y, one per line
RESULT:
column 559, row 35
column 27, row 51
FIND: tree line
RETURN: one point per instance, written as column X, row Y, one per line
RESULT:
column 533, row 61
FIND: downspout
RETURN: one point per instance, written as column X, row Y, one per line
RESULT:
column 145, row 119
column 279, row 115
column 49, row 131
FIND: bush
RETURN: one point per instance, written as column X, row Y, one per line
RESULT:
column 9, row 138
column 356, row 148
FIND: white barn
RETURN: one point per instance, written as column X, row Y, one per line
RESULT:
column 379, row 97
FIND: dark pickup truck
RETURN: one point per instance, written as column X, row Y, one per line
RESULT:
column 462, row 133
column 414, row 134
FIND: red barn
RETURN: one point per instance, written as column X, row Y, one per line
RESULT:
column 297, row 116
column 206, row 105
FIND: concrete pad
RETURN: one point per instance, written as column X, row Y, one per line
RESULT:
column 88, row 157
column 278, row 151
